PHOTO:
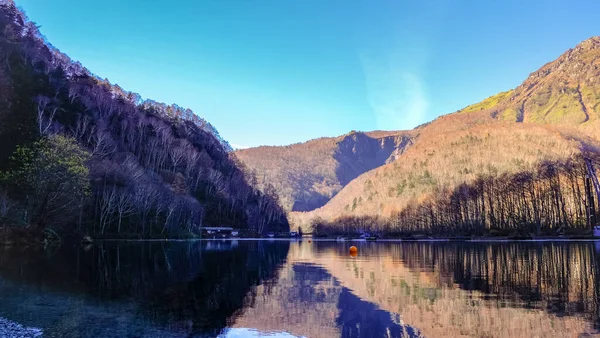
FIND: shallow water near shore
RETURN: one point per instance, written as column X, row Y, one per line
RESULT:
column 257, row 288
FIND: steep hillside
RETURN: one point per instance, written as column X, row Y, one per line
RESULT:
column 306, row 175
column 79, row 154
column 565, row 91
column 551, row 117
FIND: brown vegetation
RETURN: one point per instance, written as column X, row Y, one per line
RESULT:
column 307, row 175
column 555, row 198
column 484, row 141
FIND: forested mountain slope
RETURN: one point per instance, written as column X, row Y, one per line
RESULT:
column 532, row 136
column 79, row 154
column 306, row 175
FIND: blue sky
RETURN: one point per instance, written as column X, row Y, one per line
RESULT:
column 277, row 72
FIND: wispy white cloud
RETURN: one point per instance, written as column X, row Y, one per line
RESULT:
column 396, row 92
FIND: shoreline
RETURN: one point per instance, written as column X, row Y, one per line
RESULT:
column 26, row 241
column 473, row 240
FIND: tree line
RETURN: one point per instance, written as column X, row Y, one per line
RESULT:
column 554, row 198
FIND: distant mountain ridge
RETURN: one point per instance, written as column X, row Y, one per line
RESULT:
column 306, row 175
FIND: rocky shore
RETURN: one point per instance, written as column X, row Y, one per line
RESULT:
column 11, row 329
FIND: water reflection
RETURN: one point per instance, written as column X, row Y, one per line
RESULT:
column 299, row 289
column 307, row 301
column 134, row 289
column 476, row 289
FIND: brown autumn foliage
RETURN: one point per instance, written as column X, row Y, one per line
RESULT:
column 306, row 175
column 554, row 198
column 554, row 116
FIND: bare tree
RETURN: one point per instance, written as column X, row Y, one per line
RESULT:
column 124, row 206
column 44, row 120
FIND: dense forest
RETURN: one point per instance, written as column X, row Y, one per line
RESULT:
column 555, row 198
column 80, row 155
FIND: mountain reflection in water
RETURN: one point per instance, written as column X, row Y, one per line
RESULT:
column 300, row 289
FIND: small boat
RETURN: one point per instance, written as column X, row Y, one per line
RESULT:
column 371, row 238
column 340, row 239
column 271, row 235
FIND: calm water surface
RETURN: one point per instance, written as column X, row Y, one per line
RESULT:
column 302, row 289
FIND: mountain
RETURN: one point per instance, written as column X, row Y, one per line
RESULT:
column 563, row 92
column 549, row 120
column 307, row 175
column 81, row 155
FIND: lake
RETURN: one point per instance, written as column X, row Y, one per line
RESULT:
column 258, row 288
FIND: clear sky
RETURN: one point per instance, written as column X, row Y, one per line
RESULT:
column 283, row 71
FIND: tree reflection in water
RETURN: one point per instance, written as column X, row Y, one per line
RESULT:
column 192, row 288
column 476, row 289
column 183, row 289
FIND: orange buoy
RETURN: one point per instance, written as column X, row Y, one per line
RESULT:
column 353, row 251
